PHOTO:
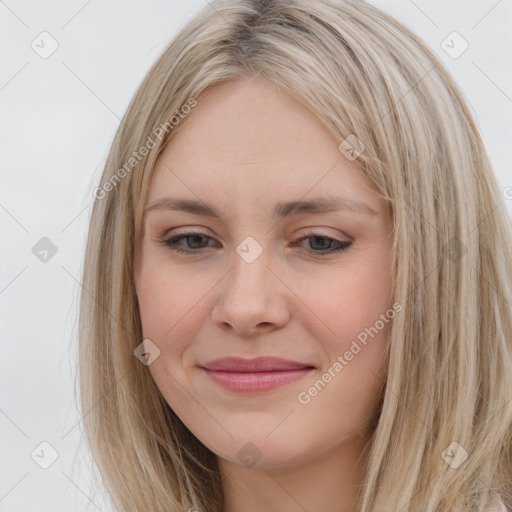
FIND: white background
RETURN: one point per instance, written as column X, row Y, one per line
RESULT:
column 58, row 117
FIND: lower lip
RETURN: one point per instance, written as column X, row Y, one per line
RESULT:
column 245, row 382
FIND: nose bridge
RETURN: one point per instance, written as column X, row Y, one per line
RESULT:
column 251, row 294
column 251, row 278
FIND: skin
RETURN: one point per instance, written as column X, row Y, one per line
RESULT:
column 245, row 147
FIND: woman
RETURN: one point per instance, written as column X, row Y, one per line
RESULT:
column 297, row 277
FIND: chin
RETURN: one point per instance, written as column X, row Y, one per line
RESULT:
column 260, row 453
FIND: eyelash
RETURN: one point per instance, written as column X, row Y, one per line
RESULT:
column 172, row 242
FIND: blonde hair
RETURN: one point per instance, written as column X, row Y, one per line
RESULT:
column 450, row 365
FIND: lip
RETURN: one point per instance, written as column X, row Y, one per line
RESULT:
column 255, row 375
column 257, row 364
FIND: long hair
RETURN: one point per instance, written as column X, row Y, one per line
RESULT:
column 443, row 436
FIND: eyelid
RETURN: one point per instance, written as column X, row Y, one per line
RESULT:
column 171, row 241
column 310, row 231
column 187, row 230
column 315, row 232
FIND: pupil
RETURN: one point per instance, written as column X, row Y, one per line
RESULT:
column 195, row 239
column 325, row 244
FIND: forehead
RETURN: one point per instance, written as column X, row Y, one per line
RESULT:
column 248, row 140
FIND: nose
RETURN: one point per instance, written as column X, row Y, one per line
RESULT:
column 252, row 299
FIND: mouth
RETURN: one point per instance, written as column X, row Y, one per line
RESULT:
column 255, row 375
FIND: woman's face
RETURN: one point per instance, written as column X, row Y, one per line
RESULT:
column 256, row 280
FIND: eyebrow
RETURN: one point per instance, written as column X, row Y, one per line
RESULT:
column 281, row 210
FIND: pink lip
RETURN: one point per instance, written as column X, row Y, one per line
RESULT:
column 257, row 364
column 253, row 375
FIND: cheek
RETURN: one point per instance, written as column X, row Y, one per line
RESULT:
column 347, row 389
column 349, row 301
column 171, row 307
column 355, row 306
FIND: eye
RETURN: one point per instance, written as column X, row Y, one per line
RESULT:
column 196, row 241
column 326, row 244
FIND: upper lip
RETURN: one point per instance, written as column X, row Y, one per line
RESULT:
column 258, row 364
